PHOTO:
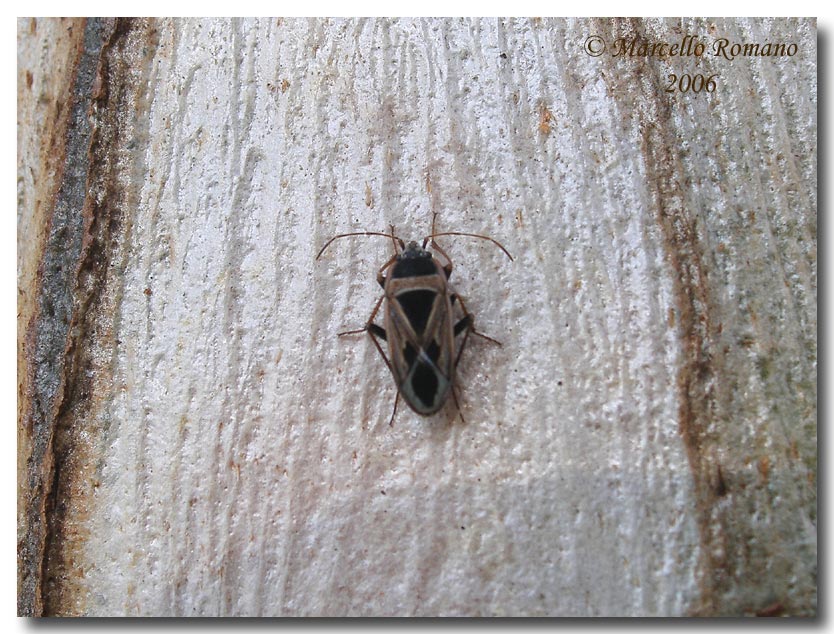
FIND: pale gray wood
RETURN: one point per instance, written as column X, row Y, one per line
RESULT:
column 643, row 443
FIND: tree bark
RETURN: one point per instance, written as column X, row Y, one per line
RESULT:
column 194, row 439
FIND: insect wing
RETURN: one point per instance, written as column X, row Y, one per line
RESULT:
column 421, row 343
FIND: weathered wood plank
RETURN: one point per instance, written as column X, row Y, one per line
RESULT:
column 644, row 443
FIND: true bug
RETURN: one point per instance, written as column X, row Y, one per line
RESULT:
column 419, row 323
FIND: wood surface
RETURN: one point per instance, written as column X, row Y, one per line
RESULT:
column 195, row 440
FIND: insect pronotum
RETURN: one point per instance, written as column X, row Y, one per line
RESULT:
column 420, row 326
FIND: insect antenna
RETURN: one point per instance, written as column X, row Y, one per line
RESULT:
column 471, row 235
column 358, row 233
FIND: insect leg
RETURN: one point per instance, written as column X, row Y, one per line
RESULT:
column 380, row 276
column 369, row 325
column 457, row 405
column 467, row 322
column 464, row 324
column 394, row 413
column 375, row 331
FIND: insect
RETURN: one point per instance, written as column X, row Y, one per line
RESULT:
column 420, row 322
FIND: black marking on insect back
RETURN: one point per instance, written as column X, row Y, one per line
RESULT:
column 415, row 266
column 424, row 383
column 410, row 354
column 433, row 351
column 417, row 306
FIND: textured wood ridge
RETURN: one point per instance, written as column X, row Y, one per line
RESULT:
column 195, row 440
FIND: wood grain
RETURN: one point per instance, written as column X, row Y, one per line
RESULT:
column 643, row 443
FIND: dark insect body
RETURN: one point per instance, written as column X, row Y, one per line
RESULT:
column 420, row 325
